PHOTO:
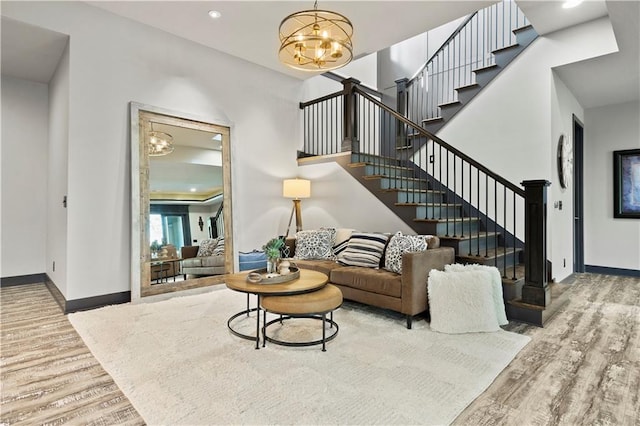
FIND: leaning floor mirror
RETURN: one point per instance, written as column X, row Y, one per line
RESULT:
column 181, row 221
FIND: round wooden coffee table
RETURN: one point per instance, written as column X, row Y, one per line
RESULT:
column 315, row 305
column 309, row 281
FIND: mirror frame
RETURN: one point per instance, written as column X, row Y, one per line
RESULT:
column 140, row 200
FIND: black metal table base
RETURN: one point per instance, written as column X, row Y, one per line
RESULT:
column 246, row 312
column 320, row 317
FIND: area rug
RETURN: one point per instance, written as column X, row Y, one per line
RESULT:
column 178, row 364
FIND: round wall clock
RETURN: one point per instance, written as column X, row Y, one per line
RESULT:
column 565, row 161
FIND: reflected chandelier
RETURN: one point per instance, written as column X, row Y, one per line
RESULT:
column 160, row 143
column 316, row 40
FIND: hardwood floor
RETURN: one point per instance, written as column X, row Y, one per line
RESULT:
column 48, row 374
column 582, row 368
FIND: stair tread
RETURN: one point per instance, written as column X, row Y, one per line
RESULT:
column 404, row 147
column 388, row 166
column 468, row 87
column 428, row 204
column 468, row 236
column 486, row 68
column 457, row 219
column 432, row 120
column 505, row 48
column 523, row 28
column 490, row 253
column 449, row 104
column 400, row 178
column 421, row 191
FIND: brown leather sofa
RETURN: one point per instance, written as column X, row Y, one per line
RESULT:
column 405, row 293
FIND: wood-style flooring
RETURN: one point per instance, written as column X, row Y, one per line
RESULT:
column 583, row 368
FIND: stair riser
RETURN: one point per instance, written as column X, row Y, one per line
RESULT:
column 525, row 37
column 419, row 197
column 503, row 57
column 483, row 78
column 431, row 212
column 464, row 96
column 456, row 228
column 386, row 183
column 387, row 171
column 462, row 247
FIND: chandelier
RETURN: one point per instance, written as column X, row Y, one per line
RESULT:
column 160, row 143
column 316, row 40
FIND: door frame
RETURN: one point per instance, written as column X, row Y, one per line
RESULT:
column 578, row 195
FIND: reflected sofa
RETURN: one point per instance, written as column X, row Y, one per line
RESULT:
column 206, row 259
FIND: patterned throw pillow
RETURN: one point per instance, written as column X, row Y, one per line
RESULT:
column 364, row 249
column 399, row 245
column 219, row 249
column 341, row 240
column 315, row 244
column 206, row 247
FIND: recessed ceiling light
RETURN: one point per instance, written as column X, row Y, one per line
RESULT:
column 571, row 3
column 193, row 190
column 214, row 14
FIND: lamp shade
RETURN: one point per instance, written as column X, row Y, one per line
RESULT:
column 296, row 188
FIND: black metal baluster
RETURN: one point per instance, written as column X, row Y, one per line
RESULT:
column 478, row 203
column 514, row 236
column 504, row 219
column 486, row 207
column 495, row 222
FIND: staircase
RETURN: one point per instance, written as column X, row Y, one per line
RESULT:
column 433, row 211
column 481, row 47
column 432, row 186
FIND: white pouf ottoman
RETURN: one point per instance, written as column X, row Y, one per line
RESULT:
column 464, row 299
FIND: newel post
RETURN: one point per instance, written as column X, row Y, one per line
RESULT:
column 535, row 290
column 350, row 116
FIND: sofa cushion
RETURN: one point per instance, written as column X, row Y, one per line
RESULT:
column 207, row 246
column 372, row 280
column 211, row 261
column 315, row 244
column 364, row 249
column 321, row 265
column 399, row 245
column 192, row 262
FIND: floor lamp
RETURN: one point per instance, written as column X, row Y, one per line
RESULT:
column 296, row 189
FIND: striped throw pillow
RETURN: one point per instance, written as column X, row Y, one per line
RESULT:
column 364, row 249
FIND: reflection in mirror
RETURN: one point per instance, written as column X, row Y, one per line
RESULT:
column 185, row 202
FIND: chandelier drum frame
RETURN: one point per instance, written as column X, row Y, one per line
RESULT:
column 316, row 40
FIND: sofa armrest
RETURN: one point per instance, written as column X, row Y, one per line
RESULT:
column 188, row 252
column 415, row 271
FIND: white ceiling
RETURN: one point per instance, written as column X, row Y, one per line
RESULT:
column 249, row 29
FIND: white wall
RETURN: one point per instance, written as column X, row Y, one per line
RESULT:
column 560, row 222
column 204, row 212
column 24, row 176
column 352, row 206
column 57, row 176
column 114, row 61
column 512, row 126
column 609, row 242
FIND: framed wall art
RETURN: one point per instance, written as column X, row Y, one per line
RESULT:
column 626, row 184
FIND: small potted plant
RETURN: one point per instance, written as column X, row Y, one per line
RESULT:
column 155, row 247
column 272, row 250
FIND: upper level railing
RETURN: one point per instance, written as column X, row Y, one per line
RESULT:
column 452, row 66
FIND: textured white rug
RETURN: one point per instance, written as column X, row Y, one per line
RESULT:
column 178, row 364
